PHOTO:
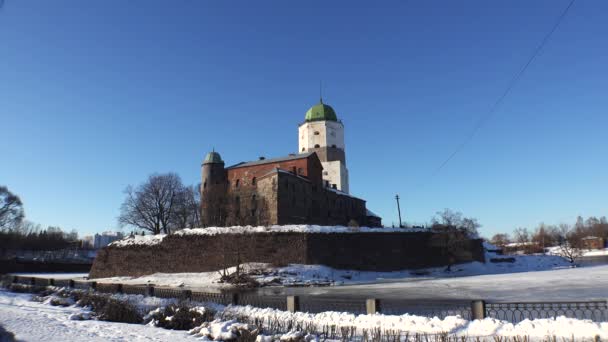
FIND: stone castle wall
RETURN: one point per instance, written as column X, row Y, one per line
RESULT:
column 204, row 253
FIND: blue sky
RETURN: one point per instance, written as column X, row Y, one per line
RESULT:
column 97, row 95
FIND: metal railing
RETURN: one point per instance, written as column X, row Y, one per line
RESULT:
column 513, row 312
column 596, row 311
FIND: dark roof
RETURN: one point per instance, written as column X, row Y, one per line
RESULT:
column 277, row 170
column 269, row 161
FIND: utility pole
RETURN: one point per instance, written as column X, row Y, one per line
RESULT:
column 399, row 211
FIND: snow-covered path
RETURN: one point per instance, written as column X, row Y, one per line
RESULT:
column 31, row 321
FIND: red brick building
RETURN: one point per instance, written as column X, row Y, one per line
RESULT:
column 307, row 188
column 288, row 190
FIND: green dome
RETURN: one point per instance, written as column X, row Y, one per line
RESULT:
column 213, row 157
column 321, row 112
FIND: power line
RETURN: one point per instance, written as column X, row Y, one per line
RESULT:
column 510, row 86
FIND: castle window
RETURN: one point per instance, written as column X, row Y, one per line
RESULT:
column 236, row 183
column 205, row 185
column 253, row 181
column 317, row 146
column 303, row 149
column 316, row 133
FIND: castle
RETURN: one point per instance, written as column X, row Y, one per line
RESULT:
column 306, row 188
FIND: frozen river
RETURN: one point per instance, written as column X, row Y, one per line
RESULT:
column 570, row 284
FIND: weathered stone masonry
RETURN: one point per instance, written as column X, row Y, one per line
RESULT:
column 204, row 253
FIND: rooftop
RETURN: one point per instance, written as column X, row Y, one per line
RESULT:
column 213, row 157
column 273, row 160
column 321, row 112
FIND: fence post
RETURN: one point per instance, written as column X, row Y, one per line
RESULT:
column 71, row 283
column 119, row 288
column 15, row 279
column 372, row 306
column 478, row 309
column 150, row 291
column 187, row 294
column 52, row 282
column 235, row 298
column 293, row 303
column 94, row 285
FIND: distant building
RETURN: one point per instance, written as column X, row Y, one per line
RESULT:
column 307, row 188
column 88, row 241
column 592, row 242
column 105, row 238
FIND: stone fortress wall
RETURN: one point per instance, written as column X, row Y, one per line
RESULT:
column 363, row 251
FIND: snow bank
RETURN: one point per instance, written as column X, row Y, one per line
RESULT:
column 37, row 321
column 220, row 330
column 294, row 228
column 33, row 321
column 138, row 240
column 556, row 250
column 560, row 327
column 342, row 319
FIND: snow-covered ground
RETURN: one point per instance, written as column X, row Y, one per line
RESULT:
column 32, row 321
column 299, row 275
column 555, row 250
column 454, row 325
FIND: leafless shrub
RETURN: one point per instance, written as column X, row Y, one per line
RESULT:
column 181, row 317
column 119, row 311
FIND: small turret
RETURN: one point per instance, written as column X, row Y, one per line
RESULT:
column 213, row 189
column 213, row 170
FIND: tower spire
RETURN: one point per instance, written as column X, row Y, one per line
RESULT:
column 321, row 91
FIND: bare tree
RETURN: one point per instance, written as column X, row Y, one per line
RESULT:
column 570, row 243
column 11, row 209
column 151, row 205
column 543, row 236
column 521, row 236
column 451, row 233
column 500, row 240
column 187, row 208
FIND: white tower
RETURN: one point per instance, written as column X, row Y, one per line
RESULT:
column 323, row 133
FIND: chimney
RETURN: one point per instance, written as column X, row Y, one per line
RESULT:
column 262, row 157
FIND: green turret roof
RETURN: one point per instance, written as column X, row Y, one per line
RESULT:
column 213, row 157
column 321, row 112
